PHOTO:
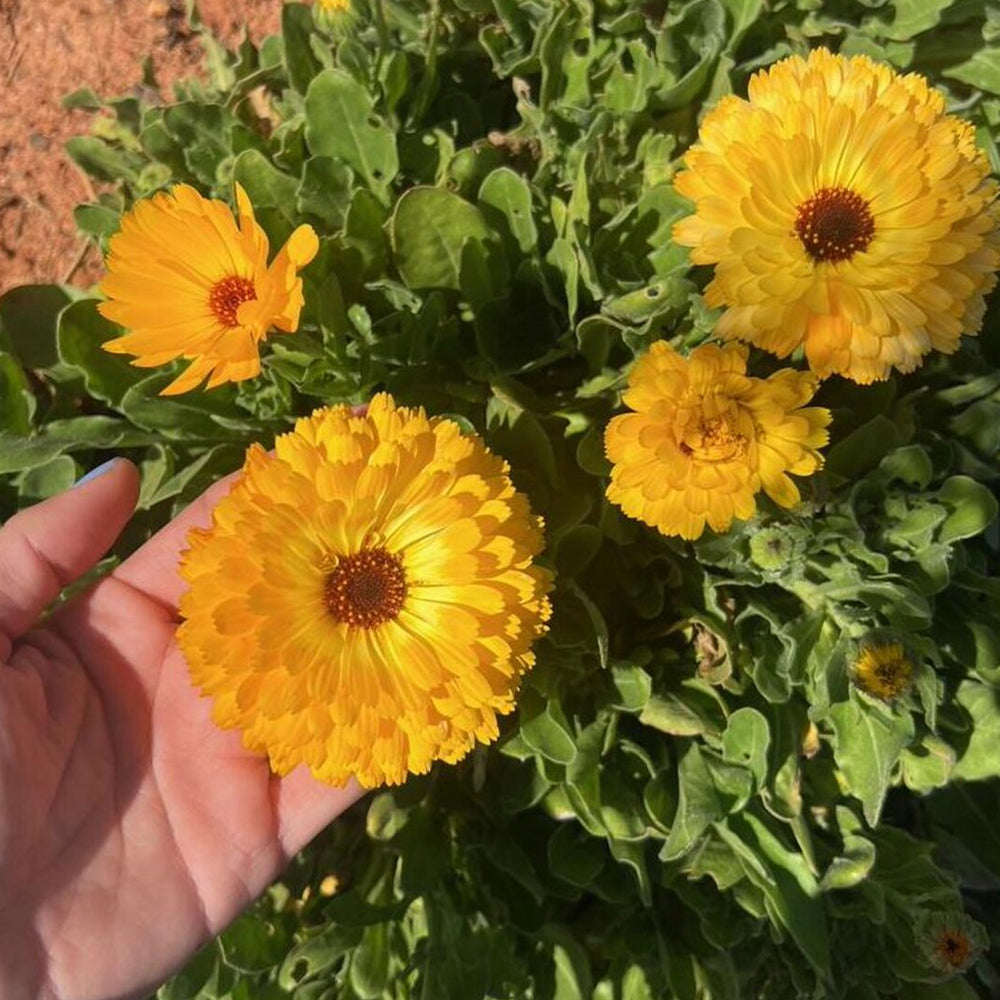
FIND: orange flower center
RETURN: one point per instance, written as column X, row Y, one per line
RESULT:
column 834, row 224
column 953, row 948
column 228, row 295
column 713, row 439
column 367, row 589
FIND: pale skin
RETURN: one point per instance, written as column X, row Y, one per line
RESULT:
column 131, row 829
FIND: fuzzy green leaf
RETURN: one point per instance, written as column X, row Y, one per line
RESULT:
column 980, row 759
column 341, row 123
column 428, row 230
column 867, row 749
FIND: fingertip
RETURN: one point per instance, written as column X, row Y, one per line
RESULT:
column 117, row 477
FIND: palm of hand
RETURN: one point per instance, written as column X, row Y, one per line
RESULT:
column 131, row 828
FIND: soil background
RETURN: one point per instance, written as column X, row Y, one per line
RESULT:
column 49, row 48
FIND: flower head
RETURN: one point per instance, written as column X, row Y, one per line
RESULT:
column 705, row 437
column 883, row 668
column 845, row 211
column 776, row 548
column 188, row 283
column 334, row 14
column 366, row 599
column 952, row 941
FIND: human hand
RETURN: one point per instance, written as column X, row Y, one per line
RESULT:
column 131, row 828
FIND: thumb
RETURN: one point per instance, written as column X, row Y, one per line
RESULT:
column 46, row 547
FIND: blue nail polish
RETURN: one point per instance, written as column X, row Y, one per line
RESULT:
column 94, row 473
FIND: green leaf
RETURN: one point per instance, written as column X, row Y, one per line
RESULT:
column 202, row 132
column 317, row 954
column 58, row 436
column 928, row 764
column 82, row 331
column 633, row 686
column 667, row 295
column 965, row 826
column 265, row 185
column 326, row 190
column 853, row 864
column 97, row 220
column 385, row 819
column 863, row 448
column 747, row 741
column 428, row 230
column 689, row 45
column 955, row 989
column 209, row 416
column 576, row 549
column 544, row 728
column 297, row 32
column 198, row 475
column 980, row 759
column 363, row 230
column 575, row 856
column 188, row 983
column 99, row 159
column 506, row 854
column 981, row 71
column 341, row 124
column 973, row 508
column 690, row 710
column 254, row 944
column 369, row 970
column 791, row 889
column 867, row 748
column 17, row 401
column 47, row 480
column 505, row 201
column 699, row 804
column 915, row 16
column 29, row 317
column 911, row 464
column 82, row 97
column 596, row 617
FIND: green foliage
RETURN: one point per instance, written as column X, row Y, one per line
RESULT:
column 692, row 800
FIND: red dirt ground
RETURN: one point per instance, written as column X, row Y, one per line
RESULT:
column 51, row 47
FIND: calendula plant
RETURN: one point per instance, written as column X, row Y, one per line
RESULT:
column 633, row 378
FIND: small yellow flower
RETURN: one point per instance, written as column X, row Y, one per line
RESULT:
column 335, row 15
column 845, row 211
column 366, row 599
column 883, row 670
column 187, row 283
column 706, row 437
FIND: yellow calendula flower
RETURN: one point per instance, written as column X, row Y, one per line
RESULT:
column 883, row 669
column 845, row 211
column 188, row 283
column 366, row 599
column 706, row 437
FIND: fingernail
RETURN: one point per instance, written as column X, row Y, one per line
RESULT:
column 94, row 473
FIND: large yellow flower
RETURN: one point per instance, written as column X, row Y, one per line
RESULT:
column 186, row 282
column 366, row 599
column 706, row 437
column 844, row 210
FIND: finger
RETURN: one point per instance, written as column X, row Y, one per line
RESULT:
column 153, row 568
column 46, row 547
column 304, row 806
